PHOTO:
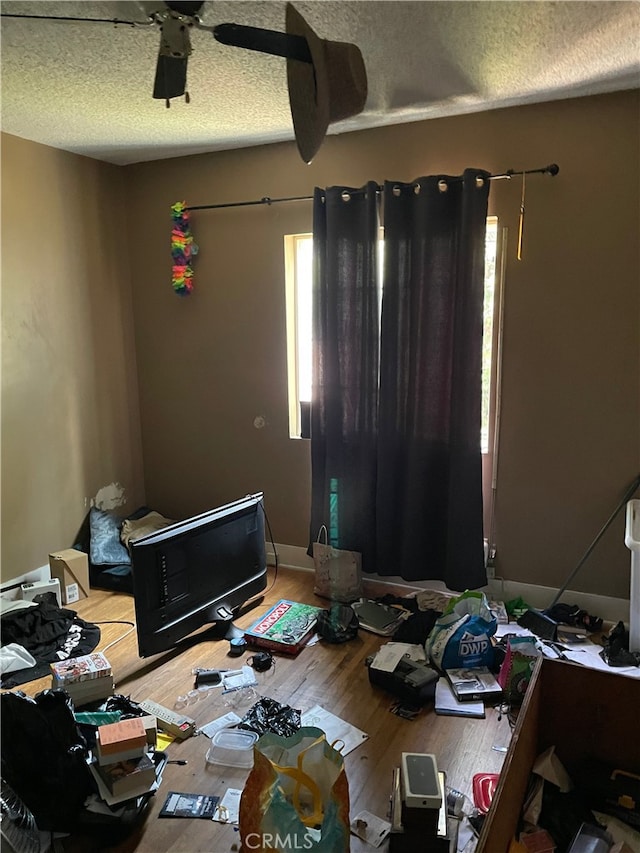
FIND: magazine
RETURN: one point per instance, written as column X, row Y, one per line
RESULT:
column 179, row 804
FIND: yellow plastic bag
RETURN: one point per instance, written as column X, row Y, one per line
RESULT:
column 296, row 796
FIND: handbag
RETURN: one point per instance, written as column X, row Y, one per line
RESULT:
column 338, row 573
column 296, row 796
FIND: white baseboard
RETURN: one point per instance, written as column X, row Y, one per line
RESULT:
column 539, row 597
column 10, row 590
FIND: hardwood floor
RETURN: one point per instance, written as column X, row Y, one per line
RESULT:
column 334, row 676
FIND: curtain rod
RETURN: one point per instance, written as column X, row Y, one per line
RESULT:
column 552, row 169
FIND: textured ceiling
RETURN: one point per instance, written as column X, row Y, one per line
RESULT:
column 87, row 88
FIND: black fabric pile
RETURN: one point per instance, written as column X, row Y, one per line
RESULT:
column 571, row 614
column 417, row 627
column 616, row 648
column 44, row 757
column 50, row 633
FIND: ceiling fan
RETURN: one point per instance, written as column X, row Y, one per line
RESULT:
column 327, row 80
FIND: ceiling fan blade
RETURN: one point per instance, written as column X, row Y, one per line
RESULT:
column 171, row 77
column 113, row 21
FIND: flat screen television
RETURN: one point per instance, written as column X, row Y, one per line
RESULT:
column 198, row 573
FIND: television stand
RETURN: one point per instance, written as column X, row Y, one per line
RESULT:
column 223, row 628
column 232, row 631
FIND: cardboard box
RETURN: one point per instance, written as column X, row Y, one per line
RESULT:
column 71, row 568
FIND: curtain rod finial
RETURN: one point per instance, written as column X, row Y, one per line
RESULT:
column 552, row 169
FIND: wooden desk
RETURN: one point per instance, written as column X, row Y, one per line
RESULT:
column 334, row 676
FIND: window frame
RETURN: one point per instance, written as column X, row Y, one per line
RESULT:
column 300, row 410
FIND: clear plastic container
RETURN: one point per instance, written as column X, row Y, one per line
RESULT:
column 232, row 747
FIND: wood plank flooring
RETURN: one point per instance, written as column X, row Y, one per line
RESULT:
column 334, row 676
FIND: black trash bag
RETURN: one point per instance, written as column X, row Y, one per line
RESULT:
column 267, row 715
column 44, row 757
column 338, row 624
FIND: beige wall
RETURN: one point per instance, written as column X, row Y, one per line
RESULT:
column 209, row 363
column 70, row 418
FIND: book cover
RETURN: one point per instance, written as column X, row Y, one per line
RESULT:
column 285, row 627
column 123, row 735
column 123, row 755
column 84, row 668
column 447, row 704
column 123, row 777
column 97, row 687
column 179, row 804
column 86, row 692
column 471, row 684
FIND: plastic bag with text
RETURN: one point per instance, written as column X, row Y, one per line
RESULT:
column 517, row 668
column 461, row 637
column 296, row 796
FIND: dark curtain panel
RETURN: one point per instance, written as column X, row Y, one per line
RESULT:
column 346, row 336
column 395, row 415
column 429, row 472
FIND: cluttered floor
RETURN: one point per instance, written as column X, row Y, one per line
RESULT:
column 371, row 693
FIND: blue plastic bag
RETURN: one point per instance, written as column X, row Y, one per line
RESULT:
column 461, row 637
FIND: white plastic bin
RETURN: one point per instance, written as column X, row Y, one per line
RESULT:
column 632, row 541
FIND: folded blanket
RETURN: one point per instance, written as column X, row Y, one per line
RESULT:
column 136, row 528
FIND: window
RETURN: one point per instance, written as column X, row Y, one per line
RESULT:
column 298, row 275
column 298, row 268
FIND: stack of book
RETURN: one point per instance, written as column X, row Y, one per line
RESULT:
column 86, row 679
column 121, row 760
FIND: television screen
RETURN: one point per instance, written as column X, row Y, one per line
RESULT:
column 198, row 572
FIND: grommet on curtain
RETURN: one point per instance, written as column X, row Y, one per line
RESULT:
column 416, row 189
column 479, row 181
column 396, row 190
column 443, row 186
column 345, row 196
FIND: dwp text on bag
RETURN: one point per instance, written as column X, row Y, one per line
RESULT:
column 461, row 637
column 296, row 796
